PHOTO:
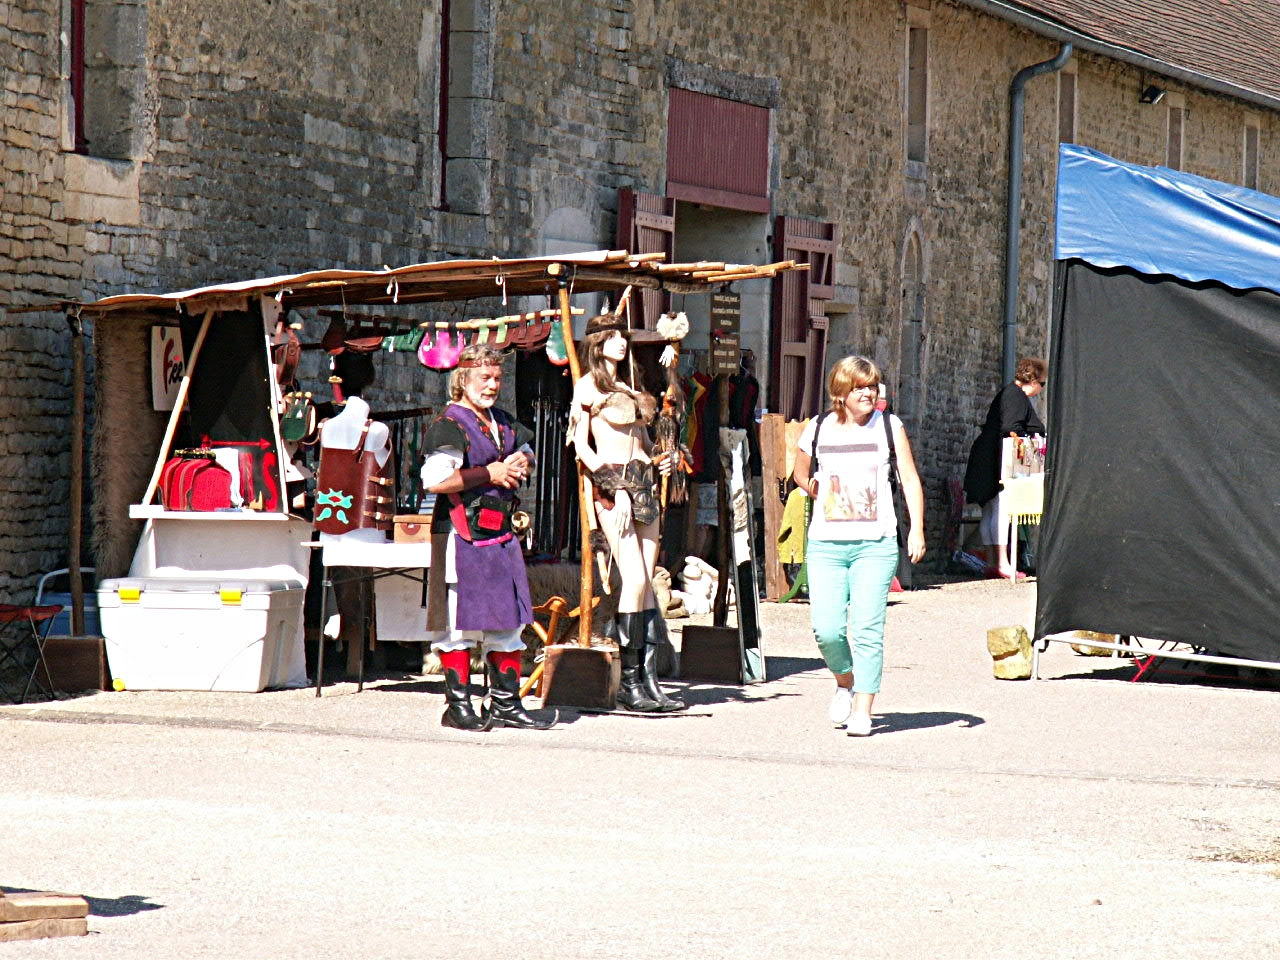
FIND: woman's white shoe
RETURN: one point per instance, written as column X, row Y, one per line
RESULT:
column 841, row 706
column 859, row 725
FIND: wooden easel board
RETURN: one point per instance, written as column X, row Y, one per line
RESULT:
column 778, row 439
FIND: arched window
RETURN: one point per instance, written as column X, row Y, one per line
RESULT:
column 909, row 397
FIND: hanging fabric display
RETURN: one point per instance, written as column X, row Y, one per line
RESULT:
column 557, row 352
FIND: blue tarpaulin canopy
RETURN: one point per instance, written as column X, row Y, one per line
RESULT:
column 1161, row 221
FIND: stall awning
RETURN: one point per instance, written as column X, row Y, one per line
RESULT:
column 451, row 280
column 1161, row 221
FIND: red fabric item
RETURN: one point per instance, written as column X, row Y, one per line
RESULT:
column 489, row 519
column 177, row 493
column 504, row 660
column 700, row 390
column 210, row 487
column 459, row 661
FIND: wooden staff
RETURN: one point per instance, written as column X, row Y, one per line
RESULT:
column 584, row 505
column 76, row 501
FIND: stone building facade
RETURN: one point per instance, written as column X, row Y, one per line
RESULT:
column 223, row 139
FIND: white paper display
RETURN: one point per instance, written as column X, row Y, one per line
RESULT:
column 167, row 366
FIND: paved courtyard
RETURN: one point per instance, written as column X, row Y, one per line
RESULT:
column 1079, row 816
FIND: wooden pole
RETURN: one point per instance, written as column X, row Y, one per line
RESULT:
column 76, row 500
column 575, row 371
column 773, row 448
column 178, row 403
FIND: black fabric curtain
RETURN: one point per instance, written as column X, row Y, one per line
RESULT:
column 1162, row 513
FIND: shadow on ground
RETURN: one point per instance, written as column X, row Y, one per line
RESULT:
column 1187, row 673
column 898, row 722
column 778, row 667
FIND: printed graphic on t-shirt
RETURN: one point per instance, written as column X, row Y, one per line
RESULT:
column 851, row 489
column 853, row 493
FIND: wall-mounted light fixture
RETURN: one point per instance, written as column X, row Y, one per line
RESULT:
column 1151, row 94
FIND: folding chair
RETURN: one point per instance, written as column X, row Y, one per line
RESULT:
column 26, row 627
column 55, row 587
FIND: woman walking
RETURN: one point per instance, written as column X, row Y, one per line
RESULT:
column 844, row 461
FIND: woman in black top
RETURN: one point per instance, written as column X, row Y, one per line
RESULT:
column 1011, row 414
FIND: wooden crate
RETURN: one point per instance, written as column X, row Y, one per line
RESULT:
column 77, row 664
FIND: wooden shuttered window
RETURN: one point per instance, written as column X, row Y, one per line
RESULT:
column 799, row 330
column 717, row 151
column 647, row 224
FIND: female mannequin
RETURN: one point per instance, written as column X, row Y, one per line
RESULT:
column 613, row 444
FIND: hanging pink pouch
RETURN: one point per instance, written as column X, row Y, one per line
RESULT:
column 443, row 354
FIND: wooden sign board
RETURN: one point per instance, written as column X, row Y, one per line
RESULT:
column 726, row 314
column 726, row 322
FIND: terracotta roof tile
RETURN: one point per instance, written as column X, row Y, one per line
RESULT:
column 1237, row 41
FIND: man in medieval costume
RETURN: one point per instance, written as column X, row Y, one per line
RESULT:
column 478, row 592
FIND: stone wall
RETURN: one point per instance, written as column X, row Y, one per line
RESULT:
column 264, row 138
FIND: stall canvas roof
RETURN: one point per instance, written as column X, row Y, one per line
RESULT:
column 1162, row 221
column 451, row 280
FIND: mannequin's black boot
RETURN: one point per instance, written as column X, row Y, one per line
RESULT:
column 504, row 694
column 655, row 633
column 458, row 711
column 631, row 694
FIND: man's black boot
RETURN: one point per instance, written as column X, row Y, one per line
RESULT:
column 458, row 712
column 504, row 694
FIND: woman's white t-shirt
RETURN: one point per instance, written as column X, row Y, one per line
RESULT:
column 854, row 499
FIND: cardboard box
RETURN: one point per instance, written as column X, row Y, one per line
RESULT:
column 412, row 527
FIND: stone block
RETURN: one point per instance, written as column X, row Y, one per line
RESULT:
column 1085, row 650
column 470, row 126
column 467, row 183
column 1010, row 649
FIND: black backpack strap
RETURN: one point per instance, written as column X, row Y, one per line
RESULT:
column 894, row 479
column 813, row 471
column 813, row 458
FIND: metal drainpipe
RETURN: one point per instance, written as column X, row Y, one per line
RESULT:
column 1008, row 357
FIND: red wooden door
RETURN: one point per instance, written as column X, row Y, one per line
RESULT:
column 647, row 224
column 798, row 361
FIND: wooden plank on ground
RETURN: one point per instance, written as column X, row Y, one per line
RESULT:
column 41, row 906
column 42, row 929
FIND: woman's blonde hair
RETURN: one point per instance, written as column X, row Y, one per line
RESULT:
column 469, row 359
column 848, row 373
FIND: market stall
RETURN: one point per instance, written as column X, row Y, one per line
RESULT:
column 191, row 448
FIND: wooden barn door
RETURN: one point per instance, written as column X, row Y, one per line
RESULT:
column 799, row 331
column 647, row 224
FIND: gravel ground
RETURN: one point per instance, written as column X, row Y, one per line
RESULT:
column 1078, row 816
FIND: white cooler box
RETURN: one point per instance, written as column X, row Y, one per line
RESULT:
column 172, row 634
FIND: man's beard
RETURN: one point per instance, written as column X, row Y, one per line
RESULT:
column 480, row 401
